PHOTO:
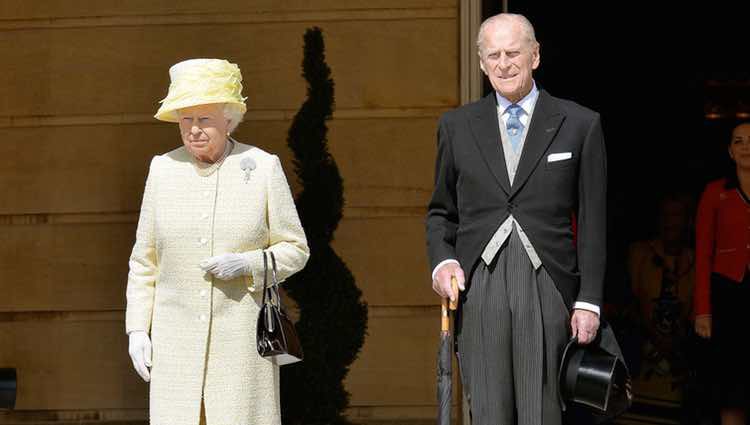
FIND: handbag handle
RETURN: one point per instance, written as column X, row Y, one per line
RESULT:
column 274, row 288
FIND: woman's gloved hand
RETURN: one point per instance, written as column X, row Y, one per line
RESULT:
column 139, row 349
column 227, row 266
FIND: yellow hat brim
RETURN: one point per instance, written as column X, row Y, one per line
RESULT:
column 168, row 110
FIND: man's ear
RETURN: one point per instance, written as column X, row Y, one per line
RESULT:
column 481, row 66
column 537, row 57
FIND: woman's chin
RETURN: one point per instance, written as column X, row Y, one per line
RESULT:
column 744, row 164
column 201, row 154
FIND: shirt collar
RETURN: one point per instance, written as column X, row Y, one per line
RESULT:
column 527, row 103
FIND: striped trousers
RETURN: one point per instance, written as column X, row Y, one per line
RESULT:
column 513, row 328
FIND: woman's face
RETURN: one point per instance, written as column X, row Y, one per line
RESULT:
column 739, row 147
column 204, row 131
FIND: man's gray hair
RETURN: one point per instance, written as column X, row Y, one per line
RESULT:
column 526, row 27
column 233, row 112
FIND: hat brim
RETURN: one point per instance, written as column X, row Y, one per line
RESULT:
column 592, row 377
column 563, row 371
column 168, row 111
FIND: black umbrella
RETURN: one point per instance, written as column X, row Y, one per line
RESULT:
column 445, row 360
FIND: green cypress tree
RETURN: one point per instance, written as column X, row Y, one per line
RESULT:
column 333, row 318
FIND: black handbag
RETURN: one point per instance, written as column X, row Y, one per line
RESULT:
column 276, row 336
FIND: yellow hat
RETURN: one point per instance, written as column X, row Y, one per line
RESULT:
column 200, row 82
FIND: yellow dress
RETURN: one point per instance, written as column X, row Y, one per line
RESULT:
column 203, row 328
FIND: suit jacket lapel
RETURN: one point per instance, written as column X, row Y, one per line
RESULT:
column 484, row 124
column 545, row 122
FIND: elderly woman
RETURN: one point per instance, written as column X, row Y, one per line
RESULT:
column 210, row 210
column 722, row 278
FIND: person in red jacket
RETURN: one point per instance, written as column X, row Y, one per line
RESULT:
column 722, row 281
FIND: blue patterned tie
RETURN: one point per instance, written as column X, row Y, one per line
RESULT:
column 514, row 126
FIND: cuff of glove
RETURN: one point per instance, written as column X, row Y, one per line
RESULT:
column 254, row 264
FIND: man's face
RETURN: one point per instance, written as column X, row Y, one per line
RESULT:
column 674, row 221
column 508, row 59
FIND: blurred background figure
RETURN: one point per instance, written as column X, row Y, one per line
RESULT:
column 662, row 271
column 722, row 291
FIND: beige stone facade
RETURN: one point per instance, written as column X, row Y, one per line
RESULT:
column 80, row 83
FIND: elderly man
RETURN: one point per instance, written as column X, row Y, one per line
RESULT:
column 514, row 171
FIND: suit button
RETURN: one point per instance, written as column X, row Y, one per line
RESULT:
column 203, row 293
column 204, row 216
column 203, row 317
column 203, row 241
column 206, row 193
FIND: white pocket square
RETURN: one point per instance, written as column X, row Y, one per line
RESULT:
column 559, row 156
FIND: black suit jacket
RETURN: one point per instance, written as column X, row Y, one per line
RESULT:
column 473, row 195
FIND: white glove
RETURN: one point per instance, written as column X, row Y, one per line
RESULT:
column 140, row 353
column 227, row 266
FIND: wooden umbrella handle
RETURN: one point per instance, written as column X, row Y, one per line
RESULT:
column 445, row 322
column 454, row 286
column 447, row 305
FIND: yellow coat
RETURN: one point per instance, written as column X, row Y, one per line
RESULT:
column 203, row 328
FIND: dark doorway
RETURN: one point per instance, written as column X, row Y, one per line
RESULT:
column 653, row 72
column 670, row 81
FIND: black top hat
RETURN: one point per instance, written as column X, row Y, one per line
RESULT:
column 595, row 378
column 7, row 388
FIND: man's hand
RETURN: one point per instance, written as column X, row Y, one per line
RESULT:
column 140, row 353
column 703, row 326
column 584, row 324
column 442, row 282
